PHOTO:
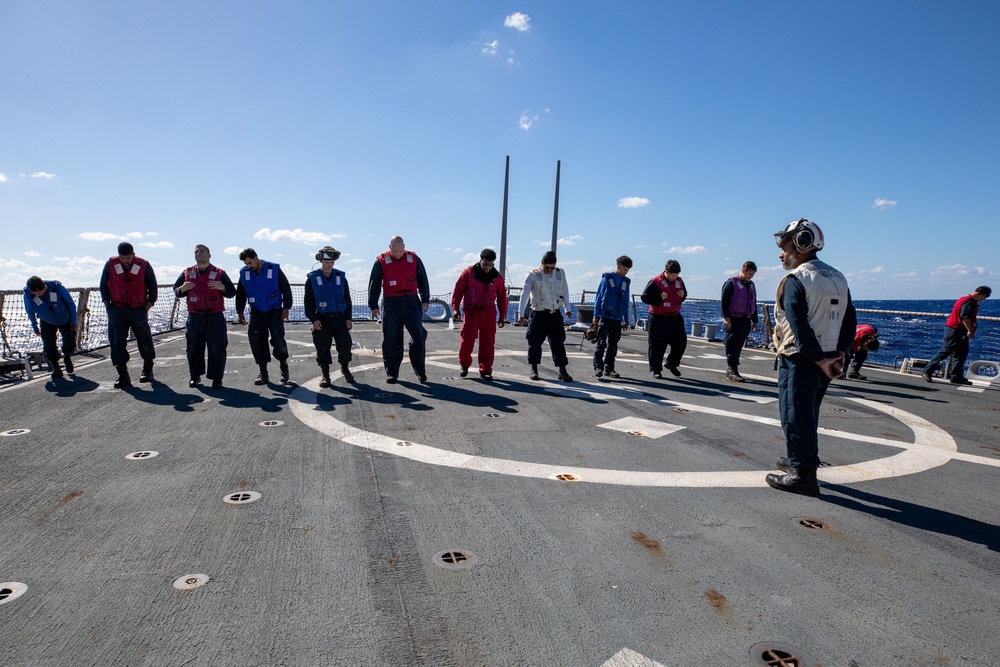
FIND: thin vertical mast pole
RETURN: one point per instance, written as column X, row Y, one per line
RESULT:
column 555, row 211
column 503, row 222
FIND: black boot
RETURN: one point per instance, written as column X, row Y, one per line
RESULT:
column 262, row 377
column 68, row 361
column 123, row 381
column 325, row 382
column 534, row 371
column 782, row 464
column 283, row 366
column 346, row 372
column 564, row 374
column 147, row 372
column 799, row 480
column 56, row 371
column 733, row 374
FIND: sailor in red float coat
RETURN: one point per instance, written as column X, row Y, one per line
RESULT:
column 401, row 276
column 129, row 290
column 664, row 294
column 480, row 289
column 205, row 287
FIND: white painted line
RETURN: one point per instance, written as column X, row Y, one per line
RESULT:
column 711, row 356
column 751, row 398
column 637, row 425
column 629, row 658
column 931, row 447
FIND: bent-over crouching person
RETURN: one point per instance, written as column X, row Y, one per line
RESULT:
column 50, row 302
column 814, row 329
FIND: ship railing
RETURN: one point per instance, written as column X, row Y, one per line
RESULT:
column 903, row 333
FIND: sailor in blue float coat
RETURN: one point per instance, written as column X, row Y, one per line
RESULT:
column 327, row 302
column 610, row 313
column 264, row 286
column 50, row 302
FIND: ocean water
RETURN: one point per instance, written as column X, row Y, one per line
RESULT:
column 903, row 332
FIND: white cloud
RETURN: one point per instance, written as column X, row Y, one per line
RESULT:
column 632, row 202
column 32, row 253
column 105, row 236
column 41, row 174
column 569, row 240
column 491, row 48
column 882, row 204
column 959, row 270
column 3, row 177
column 158, row 244
column 97, row 236
column 526, row 120
column 454, row 250
column 232, row 250
column 297, row 235
column 686, row 250
column 518, row 21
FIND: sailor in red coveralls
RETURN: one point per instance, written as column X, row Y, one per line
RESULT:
column 480, row 290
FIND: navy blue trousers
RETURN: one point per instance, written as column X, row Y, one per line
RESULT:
column 609, row 332
column 544, row 325
column 334, row 329
column 207, row 330
column 398, row 313
column 956, row 344
column 666, row 331
column 801, row 388
column 734, row 338
column 120, row 322
column 263, row 324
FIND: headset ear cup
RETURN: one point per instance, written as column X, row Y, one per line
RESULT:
column 803, row 240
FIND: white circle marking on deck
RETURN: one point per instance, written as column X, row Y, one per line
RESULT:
column 931, row 447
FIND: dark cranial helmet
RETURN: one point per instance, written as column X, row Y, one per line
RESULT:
column 328, row 252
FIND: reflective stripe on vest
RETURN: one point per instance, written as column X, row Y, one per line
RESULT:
column 826, row 298
column 615, row 301
column 203, row 299
column 479, row 295
column 398, row 277
column 672, row 302
column 548, row 292
column 263, row 292
column 328, row 293
column 127, row 287
column 744, row 300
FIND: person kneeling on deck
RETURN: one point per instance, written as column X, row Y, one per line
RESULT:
column 548, row 292
column 206, row 288
column 50, row 302
column 814, row 328
column 265, row 287
column 327, row 303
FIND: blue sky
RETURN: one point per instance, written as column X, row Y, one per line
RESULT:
column 686, row 130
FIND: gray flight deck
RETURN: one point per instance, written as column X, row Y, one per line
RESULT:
column 587, row 524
